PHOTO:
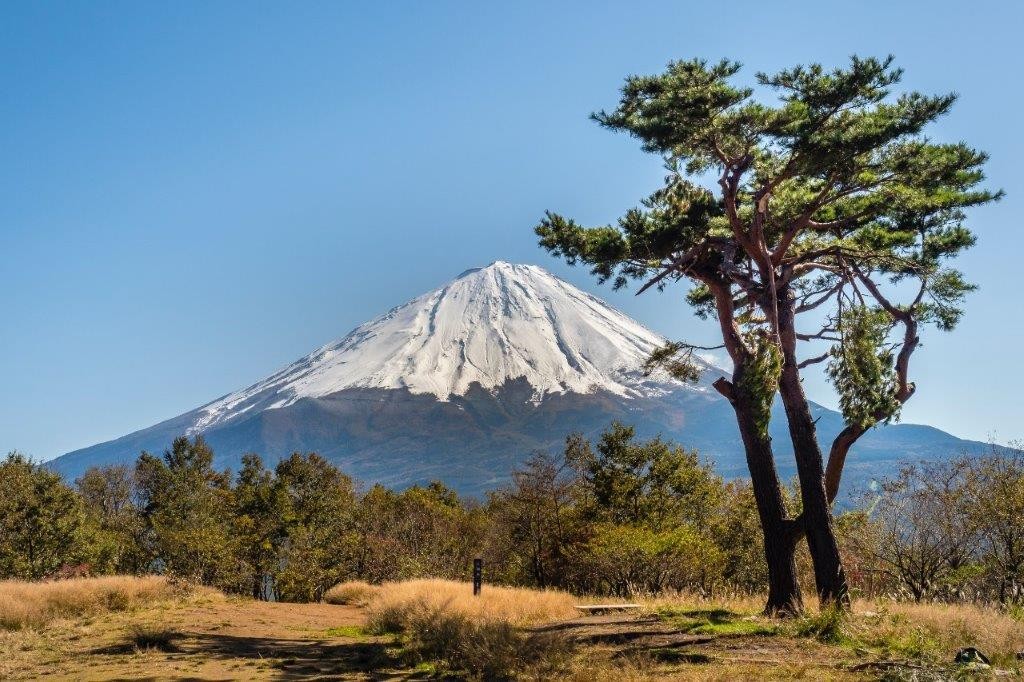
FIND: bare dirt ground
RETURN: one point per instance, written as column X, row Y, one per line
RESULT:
column 232, row 639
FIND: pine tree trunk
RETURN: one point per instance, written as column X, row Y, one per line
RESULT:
column 829, row 575
column 784, row 596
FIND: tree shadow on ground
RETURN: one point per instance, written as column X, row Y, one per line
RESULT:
column 291, row 659
column 716, row 616
column 619, row 630
column 674, row 636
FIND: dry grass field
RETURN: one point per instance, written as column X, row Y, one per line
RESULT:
column 179, row 634
column 123, row 628
column 28, row 604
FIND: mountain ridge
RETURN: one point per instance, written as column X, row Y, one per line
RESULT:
column 463, row 382
column 486, row 326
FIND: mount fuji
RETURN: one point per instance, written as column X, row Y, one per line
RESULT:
column 462, row 383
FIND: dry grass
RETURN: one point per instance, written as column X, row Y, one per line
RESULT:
column 153, row 638
column 444, row 625
column 393, row 603
column 34, row 604
column 934, row 632
column 354, row 592
column 929, row 632
column 927, row 635
column 744, row 604
column 130, row 628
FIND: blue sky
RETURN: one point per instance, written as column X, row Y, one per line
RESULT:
column 193, row 194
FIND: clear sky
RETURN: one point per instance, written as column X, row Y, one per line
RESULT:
column 193, row 194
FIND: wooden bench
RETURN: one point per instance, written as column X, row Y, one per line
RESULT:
column 605, row 608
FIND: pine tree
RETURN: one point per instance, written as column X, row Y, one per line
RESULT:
column 260, row 505
column 830, row 206
column 186, row 506
column 654, row 483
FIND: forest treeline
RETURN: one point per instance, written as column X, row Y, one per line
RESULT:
column 615, row 516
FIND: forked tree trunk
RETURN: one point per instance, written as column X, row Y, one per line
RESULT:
column 784, row 596
column 829, row 576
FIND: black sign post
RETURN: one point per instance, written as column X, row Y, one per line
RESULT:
column 478, row 575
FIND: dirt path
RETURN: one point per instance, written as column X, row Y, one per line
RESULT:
column 228, row 640
column 240, row 639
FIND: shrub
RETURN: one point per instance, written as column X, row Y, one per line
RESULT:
column 496, row 650
column 487, row 649
column 152, row 638
column 631, row 559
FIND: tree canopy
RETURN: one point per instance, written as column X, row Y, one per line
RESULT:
column 833, row 210
column 831, row 194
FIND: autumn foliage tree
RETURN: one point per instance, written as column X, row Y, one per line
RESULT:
column 824, row 217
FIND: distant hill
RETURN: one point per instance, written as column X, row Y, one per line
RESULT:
column 462, row 383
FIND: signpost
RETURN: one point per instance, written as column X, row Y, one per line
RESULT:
column 478, row 576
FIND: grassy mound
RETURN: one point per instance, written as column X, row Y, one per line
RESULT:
column 445, row 626
column 395, row 603
column 34, row 604
column 353, row 592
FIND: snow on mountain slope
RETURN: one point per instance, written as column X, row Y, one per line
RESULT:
column 489, row 325
column 463, row 383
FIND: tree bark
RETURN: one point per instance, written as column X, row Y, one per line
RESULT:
column 779, row 533
column 784, row 597
column 829, row 575
column 837, row 458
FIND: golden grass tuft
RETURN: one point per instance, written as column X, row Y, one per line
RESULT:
column 354, row 592
column 395, row 602
column 34, row 604
column 445, row 625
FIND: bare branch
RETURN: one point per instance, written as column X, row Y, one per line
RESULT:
column 813, row 361
column 730, row 182
column 878, row 295
column 657, row 278
column 829, row 293
column 904, row 389
column 679, row 264
column 822, row 335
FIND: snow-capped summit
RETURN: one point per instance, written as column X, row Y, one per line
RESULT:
column 463, row 383
column 488, row 326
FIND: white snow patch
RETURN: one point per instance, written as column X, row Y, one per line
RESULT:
column 489, row 325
